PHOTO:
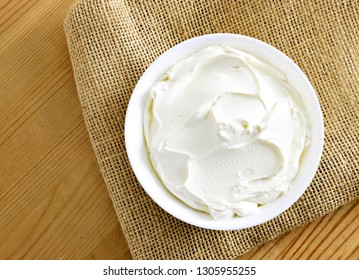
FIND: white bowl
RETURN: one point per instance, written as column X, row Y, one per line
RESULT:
column 139, row 158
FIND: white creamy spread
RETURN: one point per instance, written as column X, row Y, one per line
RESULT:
column 225, row 131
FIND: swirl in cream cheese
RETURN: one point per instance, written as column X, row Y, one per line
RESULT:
column 225, row 131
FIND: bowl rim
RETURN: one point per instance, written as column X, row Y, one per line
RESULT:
column 139, row 158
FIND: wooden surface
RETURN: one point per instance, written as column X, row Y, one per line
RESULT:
column 53, row 201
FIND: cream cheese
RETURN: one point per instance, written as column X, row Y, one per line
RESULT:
column 225, row 131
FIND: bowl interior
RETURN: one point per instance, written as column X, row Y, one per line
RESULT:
column 139, row 158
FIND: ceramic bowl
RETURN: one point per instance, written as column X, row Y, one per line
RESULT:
column 139, row 157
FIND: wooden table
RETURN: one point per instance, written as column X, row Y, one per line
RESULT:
column 53, row 201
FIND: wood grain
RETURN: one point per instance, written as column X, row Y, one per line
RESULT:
column 53, row 201
column 333, row 237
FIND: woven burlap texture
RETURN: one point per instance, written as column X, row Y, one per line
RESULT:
column 111, row 43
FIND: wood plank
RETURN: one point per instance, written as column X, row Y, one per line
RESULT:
column 53, row 201
column 334, row 236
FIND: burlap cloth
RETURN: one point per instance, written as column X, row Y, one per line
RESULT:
column 111, row 44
